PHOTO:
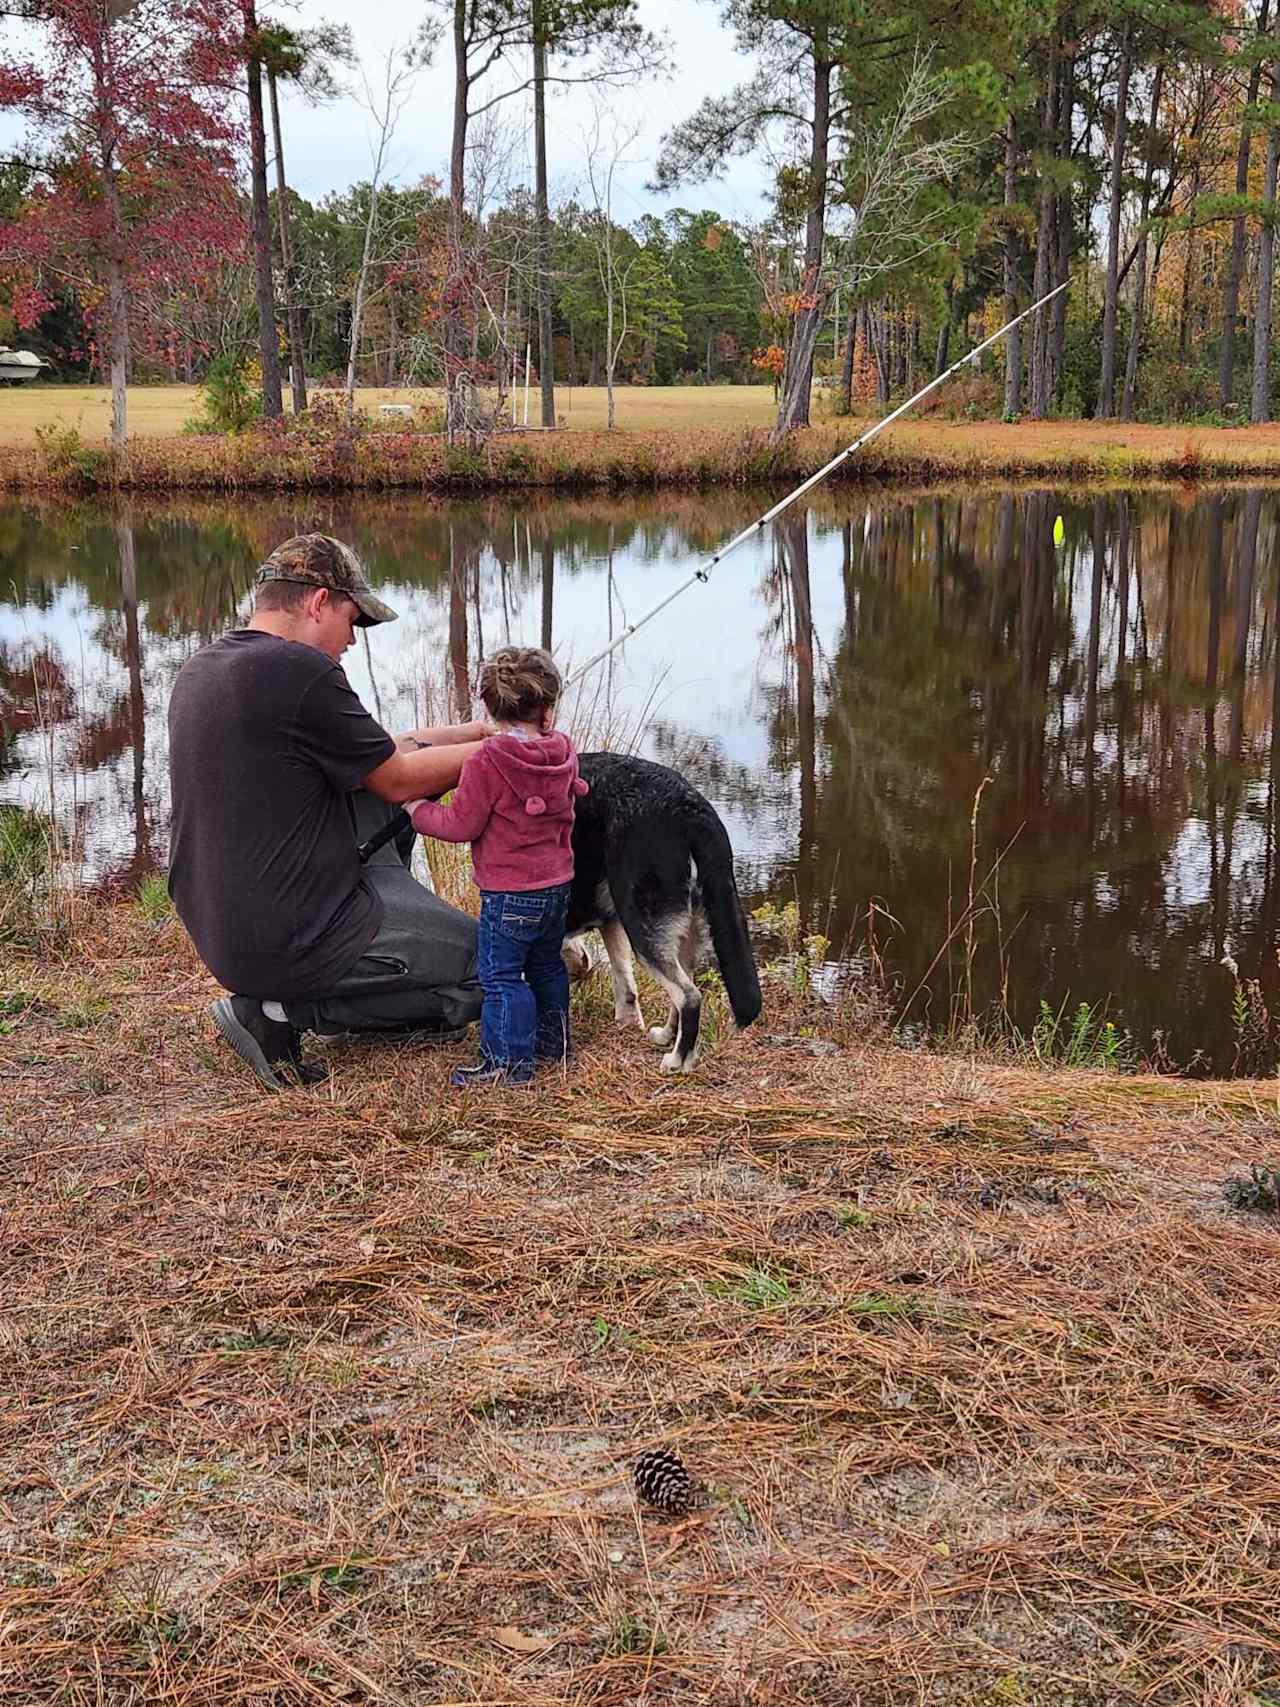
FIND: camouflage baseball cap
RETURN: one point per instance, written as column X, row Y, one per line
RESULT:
column 318, row 561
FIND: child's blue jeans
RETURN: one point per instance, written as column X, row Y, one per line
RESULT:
column 526, row 987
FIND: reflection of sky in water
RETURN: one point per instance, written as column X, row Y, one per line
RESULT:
column 697, row 669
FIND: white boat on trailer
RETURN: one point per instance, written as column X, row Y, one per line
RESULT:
column 19, row 367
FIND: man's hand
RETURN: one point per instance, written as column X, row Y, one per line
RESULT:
column 447, row 735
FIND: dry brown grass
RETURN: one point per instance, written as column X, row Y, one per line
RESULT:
column 691, row 436
column 163, row 410
column 332, row 1396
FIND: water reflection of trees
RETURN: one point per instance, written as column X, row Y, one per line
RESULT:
column 1120, row 692
column 970, row 648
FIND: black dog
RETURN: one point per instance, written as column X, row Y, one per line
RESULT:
column 652, row 865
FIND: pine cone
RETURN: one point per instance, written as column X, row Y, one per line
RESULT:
column 662, row 1480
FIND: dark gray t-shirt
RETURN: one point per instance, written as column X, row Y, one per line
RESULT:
column 266, row 741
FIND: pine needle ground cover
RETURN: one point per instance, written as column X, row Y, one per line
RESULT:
column 336, row 1396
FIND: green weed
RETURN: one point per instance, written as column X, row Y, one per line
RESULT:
column 254, row 1338
column 152, row 900
column 847, row 1216
column 67, row 458
column 1254, row 1045
column 14, row 1005
column 631, row 1635
column 79, row 1016
column 885, row 1304
column 1083, row 1038
column 801, row 952
column 609, row 1333
column 762, row 1288
column 344, row 1577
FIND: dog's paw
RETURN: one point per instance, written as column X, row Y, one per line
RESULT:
column 578, row 959
column 662, row 1034
column 628, row 1013
column 672, row 1063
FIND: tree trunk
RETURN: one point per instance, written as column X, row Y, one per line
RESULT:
column 454, row 333
column 268, row 338
column 846, row 372
column 1107, row 388
column 610, row 349
column 118, row 312
column 1235, row 268
column 1260, row 409
column 797, row 379
column 1039, row 399
column 1012, row 343
column 293, row 313
column 1063, row 225
column 944, row 334
column 1184, row 311
column 546, row 349
column 362, row 281
column 1140, row 285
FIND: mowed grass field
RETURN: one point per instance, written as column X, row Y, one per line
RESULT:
column 155, row 411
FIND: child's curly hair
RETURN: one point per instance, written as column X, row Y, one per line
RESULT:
column 519, row 683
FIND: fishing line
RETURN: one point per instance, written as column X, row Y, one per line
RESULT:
column 703, row 574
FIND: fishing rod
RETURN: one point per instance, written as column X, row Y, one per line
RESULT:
column 753, row 531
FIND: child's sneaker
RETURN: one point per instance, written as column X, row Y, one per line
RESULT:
column 486, row 1074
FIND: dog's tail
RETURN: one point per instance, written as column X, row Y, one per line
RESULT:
column 720, row 900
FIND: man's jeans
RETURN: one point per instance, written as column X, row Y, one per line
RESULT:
column 526, row 986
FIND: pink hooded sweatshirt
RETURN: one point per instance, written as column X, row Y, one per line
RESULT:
column 514, row 804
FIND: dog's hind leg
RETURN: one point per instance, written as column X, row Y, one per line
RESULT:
column 687, row 955
column 659, row 946
column 626, row 1000
column 666, row 1034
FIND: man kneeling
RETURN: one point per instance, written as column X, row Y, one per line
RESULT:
column 269, row 752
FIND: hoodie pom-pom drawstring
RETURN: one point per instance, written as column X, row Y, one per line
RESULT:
column 535, row 805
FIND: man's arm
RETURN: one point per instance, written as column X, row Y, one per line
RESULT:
column 450, row 735
column 422, row 771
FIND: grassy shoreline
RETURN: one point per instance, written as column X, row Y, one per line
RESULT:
column 386, row 458
column 333, row 1396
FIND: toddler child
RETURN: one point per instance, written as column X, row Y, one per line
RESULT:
column 514, row 803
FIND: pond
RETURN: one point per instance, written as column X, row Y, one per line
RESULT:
column 908, row 704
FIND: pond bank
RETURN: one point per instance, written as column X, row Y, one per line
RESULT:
column 315, row 457
column 337, row 1392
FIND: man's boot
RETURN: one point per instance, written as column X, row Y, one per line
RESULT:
column 273, row 1048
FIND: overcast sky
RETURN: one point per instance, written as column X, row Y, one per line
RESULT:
column 328, row 148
